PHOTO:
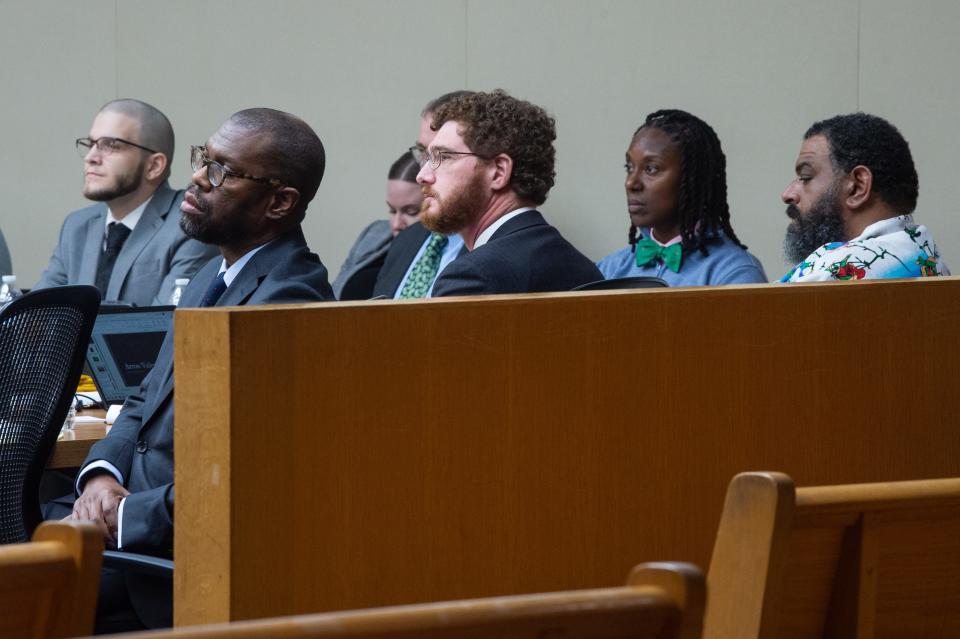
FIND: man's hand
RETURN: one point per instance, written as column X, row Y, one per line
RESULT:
column 99, row 503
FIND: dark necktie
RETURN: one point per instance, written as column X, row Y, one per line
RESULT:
column 117, row 234
column 214, row 291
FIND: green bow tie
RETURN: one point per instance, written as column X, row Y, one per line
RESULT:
column 648, row 251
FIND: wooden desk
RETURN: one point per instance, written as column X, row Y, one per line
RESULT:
column 72, row 447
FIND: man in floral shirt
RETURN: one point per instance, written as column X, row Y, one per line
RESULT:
column 851, row 205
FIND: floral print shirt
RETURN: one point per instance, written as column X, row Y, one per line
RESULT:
column 895, row 247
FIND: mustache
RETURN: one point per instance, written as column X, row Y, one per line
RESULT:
column 793, row 212
column 201, row 203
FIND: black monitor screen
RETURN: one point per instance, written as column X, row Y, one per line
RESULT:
column 123, row 348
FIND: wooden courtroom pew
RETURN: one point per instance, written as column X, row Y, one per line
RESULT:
column 660, row 601
column 861, row 561
column 48, row 587
column 348, row 455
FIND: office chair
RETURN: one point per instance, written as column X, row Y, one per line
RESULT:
column 43, row 339
column 637, row 281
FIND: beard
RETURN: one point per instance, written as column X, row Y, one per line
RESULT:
column 822, row 224
column 205, row 228
column 123, row 184
column 457, row 212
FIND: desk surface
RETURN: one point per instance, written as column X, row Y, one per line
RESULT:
column 73, row 445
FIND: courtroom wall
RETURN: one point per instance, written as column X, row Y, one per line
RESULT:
column 759, row 71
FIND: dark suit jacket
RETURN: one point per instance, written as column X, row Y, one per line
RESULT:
column 153, row 257
column 525, row 255
column 402, row 251
column 140, row 444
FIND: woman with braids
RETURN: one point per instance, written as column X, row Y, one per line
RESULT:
column 677, row 198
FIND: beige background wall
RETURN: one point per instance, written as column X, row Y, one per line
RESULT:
column 759, row 71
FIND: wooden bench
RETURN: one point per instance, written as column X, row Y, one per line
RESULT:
column 660, row 601
column 48, row 587
column 859, row 560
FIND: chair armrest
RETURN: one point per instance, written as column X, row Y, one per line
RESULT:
column 144, row 564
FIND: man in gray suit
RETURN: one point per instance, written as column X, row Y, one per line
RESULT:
column 252, row 182
column 129, row 244
column 6, row 268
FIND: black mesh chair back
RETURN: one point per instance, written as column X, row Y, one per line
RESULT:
column 638, row 281
column 43, row 340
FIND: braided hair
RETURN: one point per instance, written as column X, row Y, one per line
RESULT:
column 702, row 209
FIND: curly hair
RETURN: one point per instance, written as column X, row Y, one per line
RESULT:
column 702, row 208
column 494, row 123
column 861, row 139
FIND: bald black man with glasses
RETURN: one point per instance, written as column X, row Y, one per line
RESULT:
column 129, row 244
column 252, row 182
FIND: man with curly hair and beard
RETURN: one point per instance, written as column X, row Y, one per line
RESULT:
column 851, row 205
column 490, row 164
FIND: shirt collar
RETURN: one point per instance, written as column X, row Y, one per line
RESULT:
column 884, row 227
column 675, row 240
column 230, row 274
column 488, row 232
column 130, row 219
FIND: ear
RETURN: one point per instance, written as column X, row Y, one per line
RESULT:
column 283, row 202
column 156, row 166
column 859, row 187
column 502, row 170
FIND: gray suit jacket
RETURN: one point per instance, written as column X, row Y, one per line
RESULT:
column 156, row 253
column 140, row 444
column 6, row 268
column 371, row 246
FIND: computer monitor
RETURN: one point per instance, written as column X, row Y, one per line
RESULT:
column 124, row 347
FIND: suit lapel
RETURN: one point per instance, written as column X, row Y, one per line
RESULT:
column 239, row 291
column 92, row 246
column 254, row 271
column 150, row 222
column 164, row 367
column 412, row 239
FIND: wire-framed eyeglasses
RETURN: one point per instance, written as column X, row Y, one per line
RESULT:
column 436, row 157
column 106, row 145
column 217, row 173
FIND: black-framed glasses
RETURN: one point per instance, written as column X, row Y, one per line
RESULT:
column 217, row 173
column 106, row 145
column 437, row 156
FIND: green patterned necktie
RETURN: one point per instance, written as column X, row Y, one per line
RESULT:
column 425, row 270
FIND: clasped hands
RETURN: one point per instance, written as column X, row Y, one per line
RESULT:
column 100, row 502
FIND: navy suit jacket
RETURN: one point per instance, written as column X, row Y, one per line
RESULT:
column 525, row 255
column 402, row 251
column 140, row 444
column 155, row 255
